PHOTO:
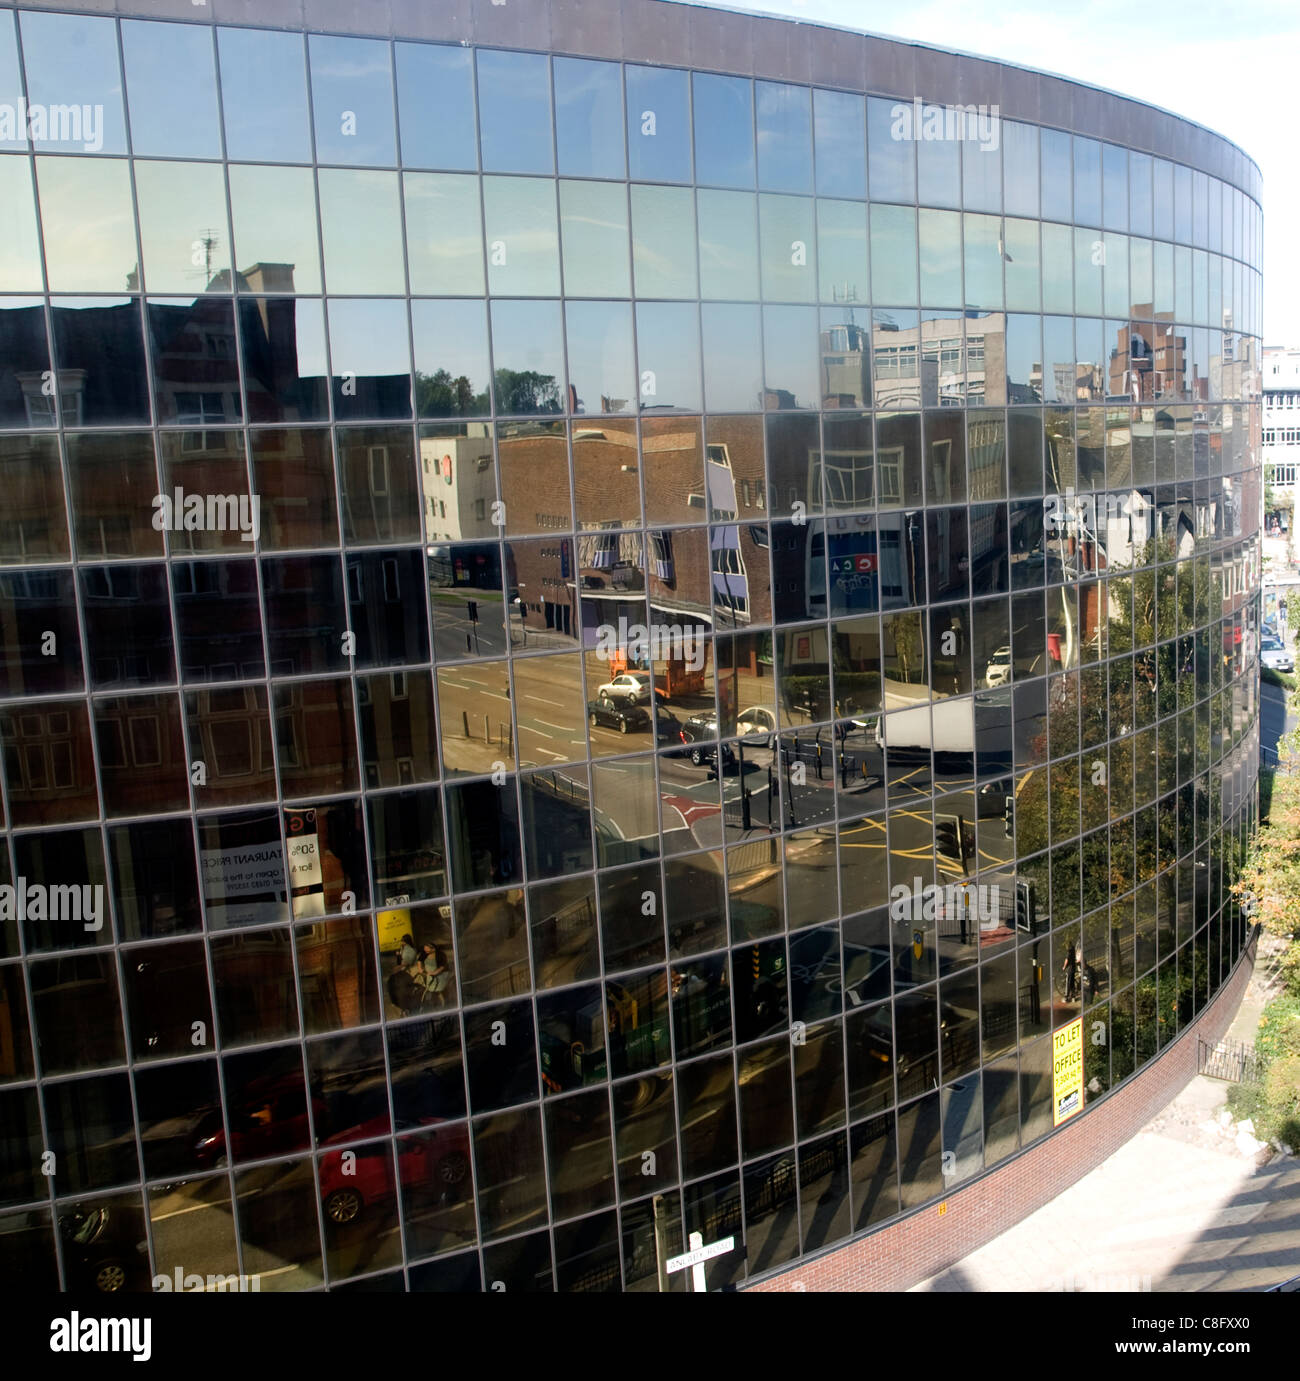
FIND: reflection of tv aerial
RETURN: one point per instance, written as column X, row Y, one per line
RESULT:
column 847, row 295
column 203, row 245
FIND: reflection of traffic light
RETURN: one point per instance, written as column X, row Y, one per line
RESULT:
column 953, row 838
column 1008, row 815
column 1026, row 907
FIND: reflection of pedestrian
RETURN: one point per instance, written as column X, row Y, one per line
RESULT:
column 1070, row 968
column 407, row 956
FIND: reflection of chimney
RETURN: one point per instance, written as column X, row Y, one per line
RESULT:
column 269, row 278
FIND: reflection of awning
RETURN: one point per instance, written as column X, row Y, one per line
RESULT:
column 604, row 551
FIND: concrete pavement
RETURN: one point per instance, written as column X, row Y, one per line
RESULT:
column 1176, row 1209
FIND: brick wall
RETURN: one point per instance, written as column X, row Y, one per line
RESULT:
column 929, row 1241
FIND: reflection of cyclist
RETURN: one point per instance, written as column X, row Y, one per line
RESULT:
column 1070, row 968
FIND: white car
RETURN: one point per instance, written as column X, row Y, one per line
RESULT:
column 1273, row 654
column 631, row 688
column 756, row 724
column 998, row 671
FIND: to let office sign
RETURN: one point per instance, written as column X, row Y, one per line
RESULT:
column 1067, row 1072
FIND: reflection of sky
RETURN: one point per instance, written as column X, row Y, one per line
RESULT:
column 588, row 119
column 368, row 338
column 436, row 97
column 666, row 335
column 89, row 226
column 664, row 156
column 526, row 336
column 351, row 76
column 264, row 95
column 515, row 112
column 724, row 133
column 72, row 60
column 600, row 352
column 172, row 88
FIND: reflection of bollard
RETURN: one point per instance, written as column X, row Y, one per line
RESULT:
column 464, row 719
column 487, row 729
column 819, row 762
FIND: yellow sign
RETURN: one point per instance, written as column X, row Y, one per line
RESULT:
column 1067, row 1072
column 392, row 926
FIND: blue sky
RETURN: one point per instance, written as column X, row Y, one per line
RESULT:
column 1232, row 70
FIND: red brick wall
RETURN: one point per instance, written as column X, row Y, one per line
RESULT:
column 926, row 1242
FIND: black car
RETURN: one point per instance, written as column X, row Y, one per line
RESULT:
column 102, row 1251
column 624, row 718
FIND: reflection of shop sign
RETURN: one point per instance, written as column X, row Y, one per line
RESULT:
column 394, row 923
column 859, row 563
column 306, row 880
column 446, row 468
column 244, row 885
column 1067, row 1071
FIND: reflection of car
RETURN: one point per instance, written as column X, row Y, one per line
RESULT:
column 624, row 718
column 700, row 726
column 668, row 728
column 1274, row 655
column 757, row 725
column 100, row 1251
column 991, row 799
column 440, row 1159
column 631, row 688
column 271, row 1121
column 998, row 671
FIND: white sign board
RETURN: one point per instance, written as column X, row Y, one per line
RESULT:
column 697, row 1256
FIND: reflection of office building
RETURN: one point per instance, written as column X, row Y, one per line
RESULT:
column 665, row 552
column 1281, row 374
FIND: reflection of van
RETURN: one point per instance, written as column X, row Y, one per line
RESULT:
column 998, row 671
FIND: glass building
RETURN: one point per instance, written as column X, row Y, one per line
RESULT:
column 578, row 630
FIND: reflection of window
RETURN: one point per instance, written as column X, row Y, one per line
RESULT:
column 200, row 409
column 940, row 468
column 392, row 586
column 889, row 462
column 377, row 460
column 146, row 741
column 661, row 556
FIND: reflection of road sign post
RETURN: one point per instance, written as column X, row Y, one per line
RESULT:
column 697, row 1256
column 471, row 612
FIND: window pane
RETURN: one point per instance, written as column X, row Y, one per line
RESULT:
column 893, row 255
column 370, row 355
column 663, row 241
column 984, row 256
column 938, row 171
column 790, row 352
column 892, row 161
column 71, row 62
column 1114, row 169
column 789, row 248
column 593, row 228
column 1058, row 268
column 111, row 475
column 588, row 130
column 26, row 399
column 35, row 526
column 218, row 620
column 522, row 238
column 88, row 224
column 20, row 254
column 1020, row 243
column 361, row 228
column 275, row 225
column 784, row 137
column 10, row 78
column 352, row 100
column 1087, row 181
column 182, row 227
column 724, row 130
column 86, row 331
column 940, row 240
column 1020, row 168
column 668, row 351
column 171, row 87
column 451, row 358
column 839, row 123
column 658, row 125
column 285, row 370
column 728, row 244
column 981, row 173
column 602, row 370
column 264, row 95
column 733, row 362
column 1057, row 174
column 435, row 105
column 514, row 112
column 444, row 233
column 842, row 252
column 528, row 356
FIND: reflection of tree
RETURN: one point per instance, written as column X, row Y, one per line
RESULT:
column 526, row 391
column 439, row 395
column 905, row 632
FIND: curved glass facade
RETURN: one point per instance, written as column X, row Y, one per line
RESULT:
column 574, row 631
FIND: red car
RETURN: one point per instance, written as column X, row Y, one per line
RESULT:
column 438, row 1158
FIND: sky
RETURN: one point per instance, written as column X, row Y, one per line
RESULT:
column 1232, row 70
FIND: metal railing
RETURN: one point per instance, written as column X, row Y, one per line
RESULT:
column 1236, row 1062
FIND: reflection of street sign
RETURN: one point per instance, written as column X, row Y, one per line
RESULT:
column 918, row 943
column 446, row 468
column 697, row 1256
